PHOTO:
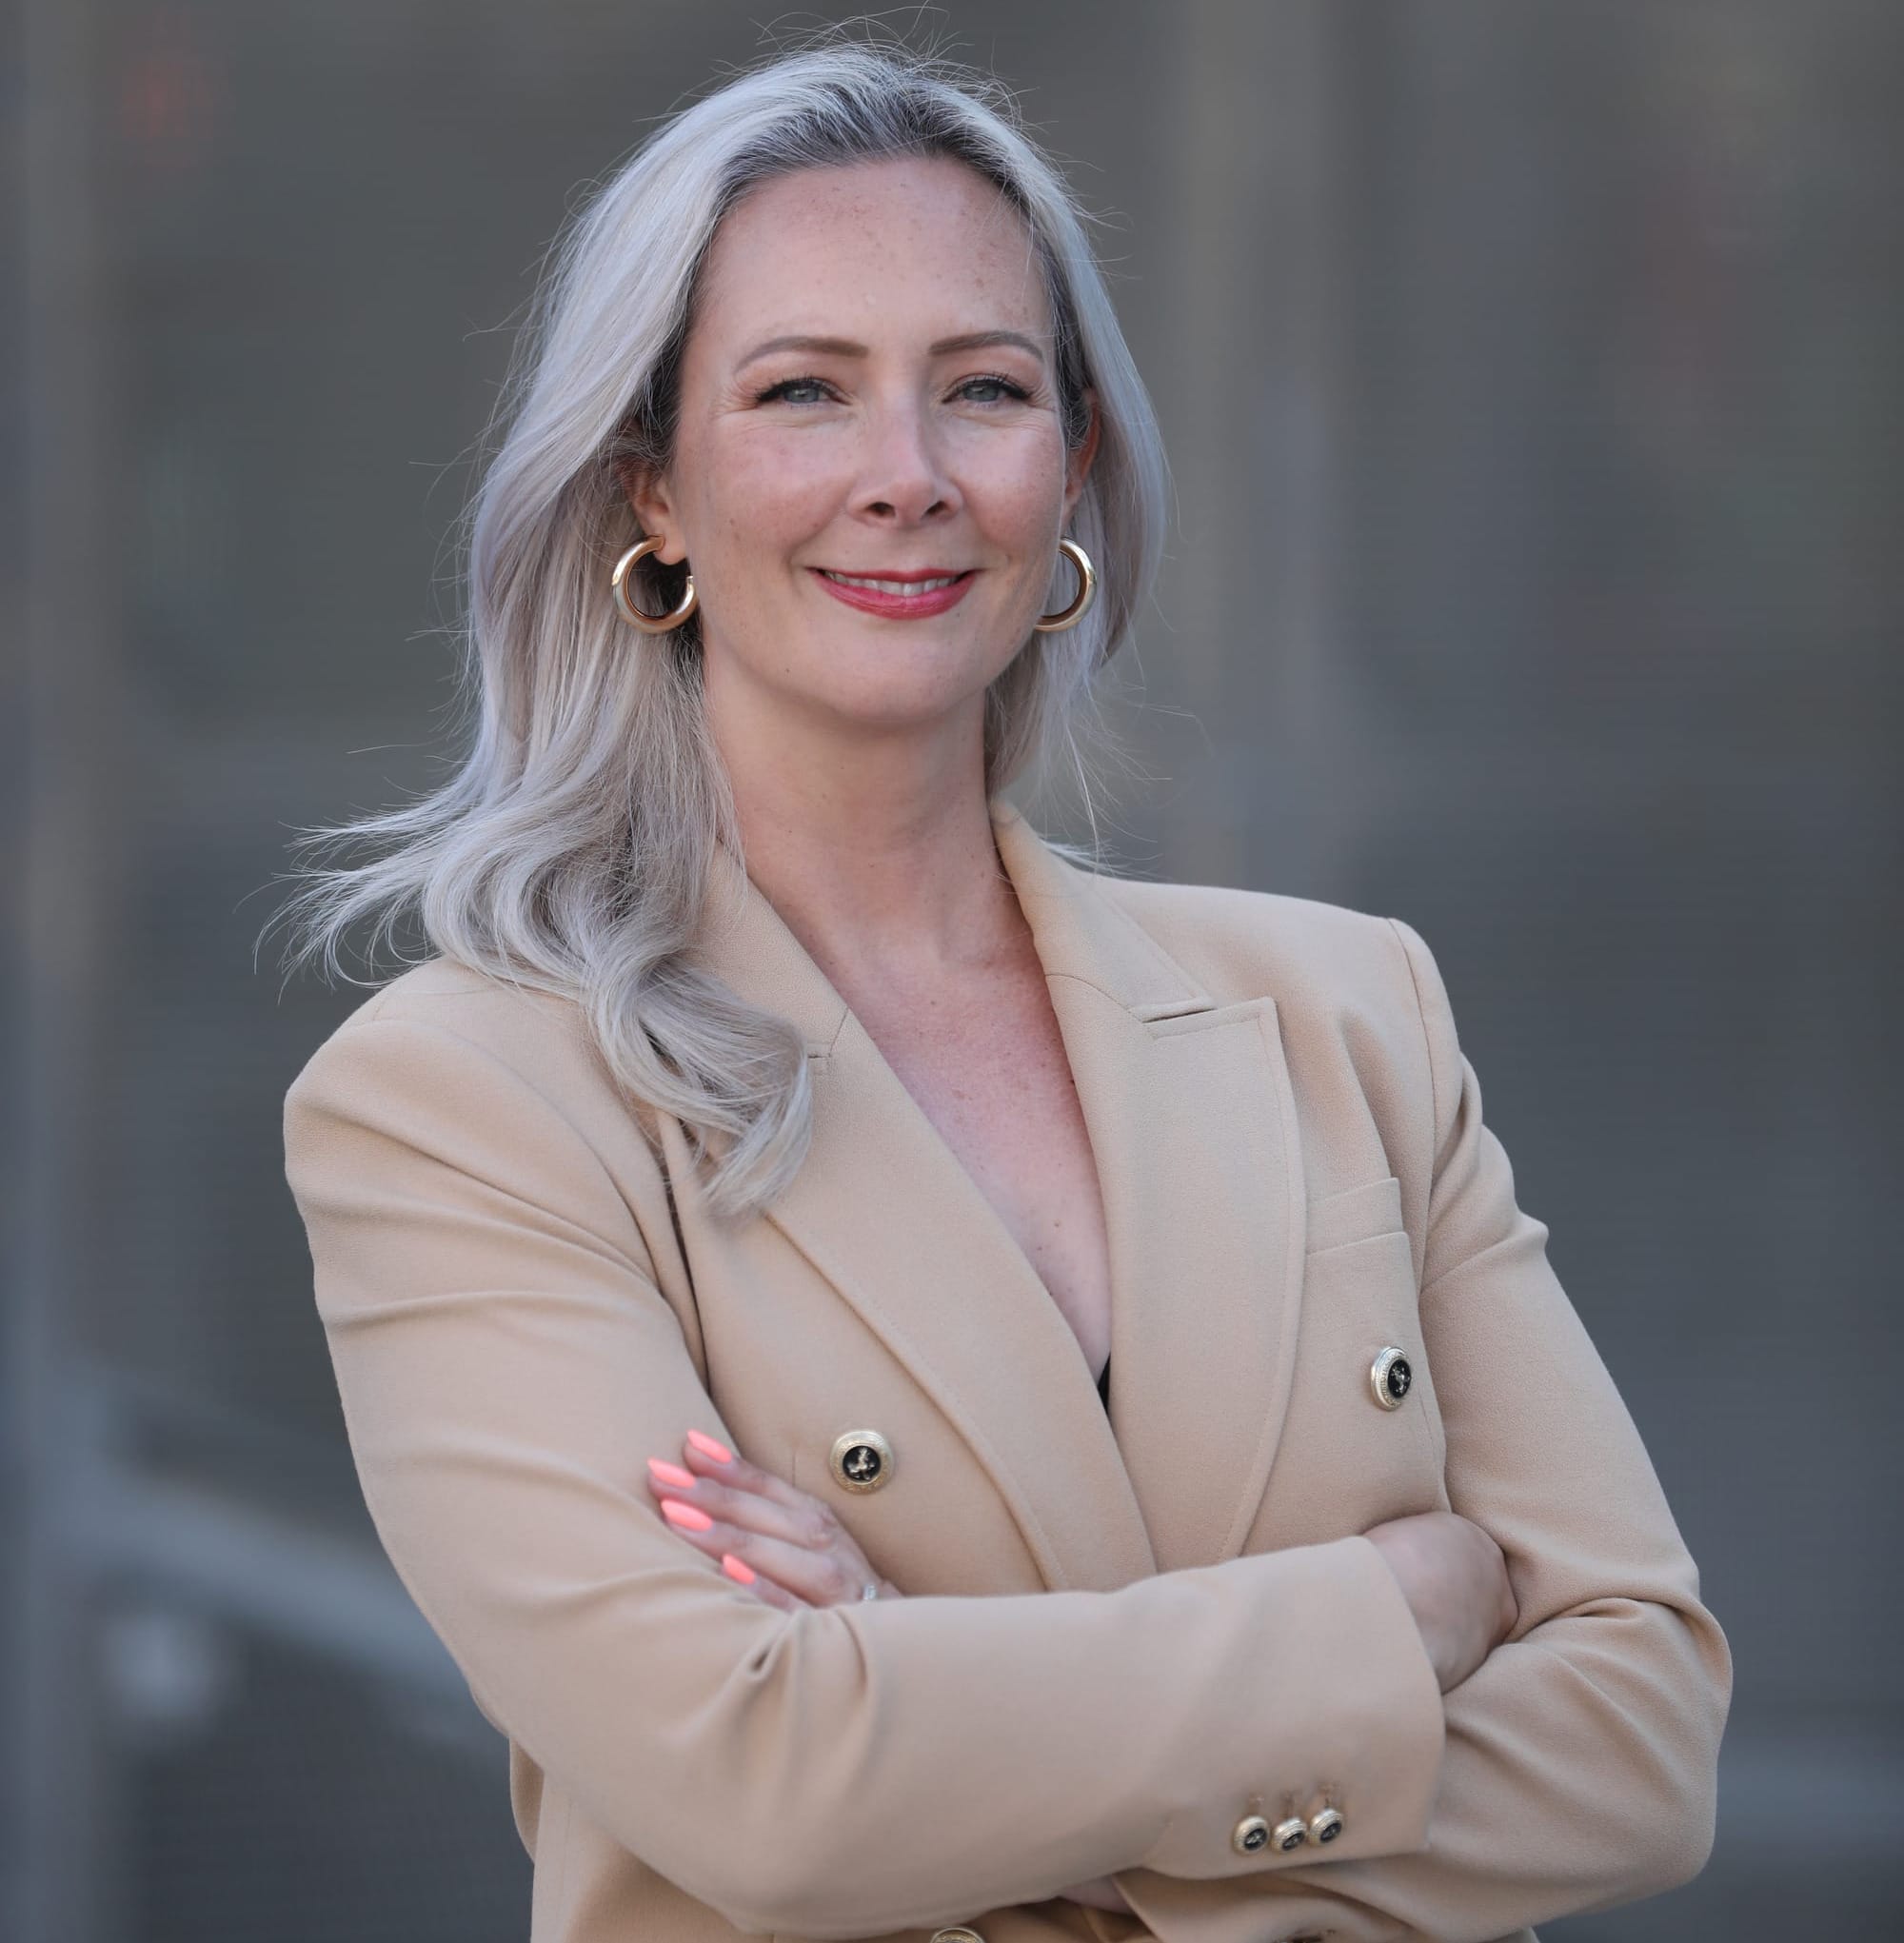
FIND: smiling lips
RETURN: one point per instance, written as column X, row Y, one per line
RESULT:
column 898, row 596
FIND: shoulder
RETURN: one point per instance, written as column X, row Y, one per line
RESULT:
column 1242, row 945
column 1348, row 986
column 451, row 1095
column 442, row 991
column 442, row 1020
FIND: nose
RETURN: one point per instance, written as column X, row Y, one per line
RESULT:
column 903, row 478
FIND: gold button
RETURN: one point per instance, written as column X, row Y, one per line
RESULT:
column 1250, row 1835
column 861, row 1460
column 1291, row 1833
column 1391, row 1379
column 1326, row 1826
column 958, row 1933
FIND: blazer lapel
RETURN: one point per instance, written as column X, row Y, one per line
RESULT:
column 886, row 1212
column 1193, row 1127
column 1193, row 1131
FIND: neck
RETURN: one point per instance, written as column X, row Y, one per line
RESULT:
column 875, row 848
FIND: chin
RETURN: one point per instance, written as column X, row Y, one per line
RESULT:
column 896, row 711
column 892, row 689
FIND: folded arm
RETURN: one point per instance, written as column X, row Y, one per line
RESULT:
column 506, row 1364
column 1580, row 1757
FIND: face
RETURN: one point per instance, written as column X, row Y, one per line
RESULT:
column 842, row 417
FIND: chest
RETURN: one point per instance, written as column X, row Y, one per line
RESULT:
column 881, row 1293
column 984, row 1062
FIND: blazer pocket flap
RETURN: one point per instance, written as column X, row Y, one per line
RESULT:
column 1356, row 1214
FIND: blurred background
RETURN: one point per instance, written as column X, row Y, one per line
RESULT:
column 1532, row 379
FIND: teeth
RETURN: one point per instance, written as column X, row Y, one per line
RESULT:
column 893, row 587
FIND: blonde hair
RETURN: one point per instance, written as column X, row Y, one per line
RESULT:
column 571, row 850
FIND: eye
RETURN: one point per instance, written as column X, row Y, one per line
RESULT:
column 1009, row 386
column 786, row 384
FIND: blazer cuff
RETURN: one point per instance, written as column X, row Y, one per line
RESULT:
column 1173, row 1911
column 1346, row 1740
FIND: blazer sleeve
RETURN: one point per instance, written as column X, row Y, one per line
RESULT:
column 1580, row 1769
column 506, row 1364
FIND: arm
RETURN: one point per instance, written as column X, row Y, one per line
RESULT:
column 1580, row 1769
column 506, row 1364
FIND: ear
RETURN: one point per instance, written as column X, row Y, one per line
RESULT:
column 1078, row 464
column 646, row 493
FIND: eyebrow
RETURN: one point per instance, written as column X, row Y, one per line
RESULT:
column 845, row 348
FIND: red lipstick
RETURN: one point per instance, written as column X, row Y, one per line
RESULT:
column 896, row 607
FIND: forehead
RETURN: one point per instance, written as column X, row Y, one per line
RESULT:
column 878, row 247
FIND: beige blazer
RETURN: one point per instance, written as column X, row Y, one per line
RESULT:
column 1132, row 1645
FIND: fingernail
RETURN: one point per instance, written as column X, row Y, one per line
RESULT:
column 736, row 1568
column 709, row 1447
column 671, row 1473
column 689, row 1518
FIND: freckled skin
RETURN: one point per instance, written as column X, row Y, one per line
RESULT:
column 894, row 256
column 853, row 742
column 987, row 1066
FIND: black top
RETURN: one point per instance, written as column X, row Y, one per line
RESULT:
column 1104, row 1384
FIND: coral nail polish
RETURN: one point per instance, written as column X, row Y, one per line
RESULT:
column 710, row 1447
column 737, row 1568
column 671, row 1473
column 690, row 1517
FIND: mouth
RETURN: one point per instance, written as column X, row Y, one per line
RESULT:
column 923, row 582
column 899, row 596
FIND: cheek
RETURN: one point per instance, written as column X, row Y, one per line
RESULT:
column 760, row 501
column 1016, row 485
column 764, row 496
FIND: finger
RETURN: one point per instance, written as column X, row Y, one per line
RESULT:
column 830, row 1575
column 749, row 1495
column 735, row 1470
column 760, row 1584
column 807, row 1522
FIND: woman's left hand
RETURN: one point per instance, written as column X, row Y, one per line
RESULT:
column 780, row 1542
column 785, row 1546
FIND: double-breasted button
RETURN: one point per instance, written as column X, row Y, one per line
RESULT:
column 1391, row 1379
column 861, row 1460
column 1326, row 1826
column 1291, row 1833
column 957, row 1933
column 1250, row 1835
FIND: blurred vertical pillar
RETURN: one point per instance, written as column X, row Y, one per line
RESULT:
column 1254, row 395
column 62, row 973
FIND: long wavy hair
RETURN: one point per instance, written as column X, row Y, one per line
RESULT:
column 570, row 851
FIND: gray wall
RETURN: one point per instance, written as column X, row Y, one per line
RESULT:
column 1530, row 376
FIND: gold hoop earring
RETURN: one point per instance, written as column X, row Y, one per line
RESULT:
column 1087, row 591
column 618, row 583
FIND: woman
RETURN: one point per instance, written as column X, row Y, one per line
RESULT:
column 719, row 1235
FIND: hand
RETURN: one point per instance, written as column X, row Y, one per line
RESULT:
column 1454, row 1579
column 792, row 1549
column 784, row 1544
